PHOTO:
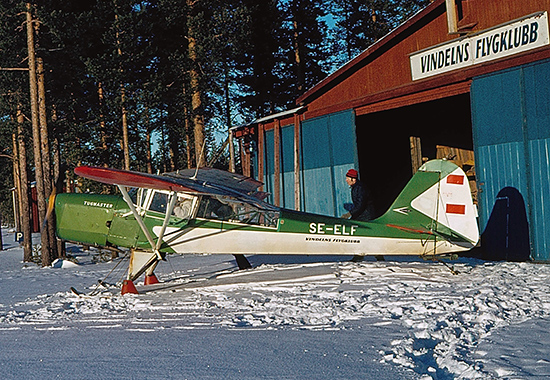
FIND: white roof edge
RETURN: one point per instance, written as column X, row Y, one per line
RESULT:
column 271, row 117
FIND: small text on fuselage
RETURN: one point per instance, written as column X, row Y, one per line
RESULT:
column 98, row 204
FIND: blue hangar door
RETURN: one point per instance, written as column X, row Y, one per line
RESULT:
column 511, row 130
column 286, row 165
column 328, row 151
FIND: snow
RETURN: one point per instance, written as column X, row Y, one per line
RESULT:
column 60, row 263
column 287, row 318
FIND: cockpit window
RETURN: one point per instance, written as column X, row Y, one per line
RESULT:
column 159, row 202
column 219, row 208
column 184, row 207
column 133, row 193
column 137, row 195
column 212, row 208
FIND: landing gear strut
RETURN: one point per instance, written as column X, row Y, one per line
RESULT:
column 242, row 262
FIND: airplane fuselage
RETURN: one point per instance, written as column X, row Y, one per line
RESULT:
column 106, row 220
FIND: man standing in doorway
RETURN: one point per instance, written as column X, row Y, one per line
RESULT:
column 363, row 206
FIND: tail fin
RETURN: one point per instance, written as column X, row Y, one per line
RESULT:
column 437, row 200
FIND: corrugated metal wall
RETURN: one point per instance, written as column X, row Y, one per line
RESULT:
column 269, row 163
column 329, row 149
column 511, row 125
column 537, row 104
column 287, row 166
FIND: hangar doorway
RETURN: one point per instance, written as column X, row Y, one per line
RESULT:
column 383, row 144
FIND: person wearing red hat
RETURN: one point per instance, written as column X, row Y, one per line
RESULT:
column 363, row 206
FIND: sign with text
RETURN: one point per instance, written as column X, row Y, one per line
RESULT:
column 525, row 34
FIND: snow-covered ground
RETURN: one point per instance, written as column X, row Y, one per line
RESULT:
column 287, row 318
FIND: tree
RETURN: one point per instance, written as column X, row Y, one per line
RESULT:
column 13, row 109
column 257, row 64
column 360, row 23
column 23, row 182
column 304, row 48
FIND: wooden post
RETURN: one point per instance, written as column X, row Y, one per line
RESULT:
column 231, row 153
column 261, row 156
column 452, row 19
column 277, row 163
column 297, row 162
column 416, row 153
column 244, row 164
column 17, row 184
column 248, row 159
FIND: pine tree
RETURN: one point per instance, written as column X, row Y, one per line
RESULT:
column 304, row 48
column 258, row 62
column 360, row 23
column 168, row 102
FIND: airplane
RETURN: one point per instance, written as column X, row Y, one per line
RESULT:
column 196, row 211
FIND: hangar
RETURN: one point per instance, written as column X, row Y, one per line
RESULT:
column 468, row 80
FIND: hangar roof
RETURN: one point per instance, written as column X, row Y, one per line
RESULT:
column 380, row 77
column 361, row 59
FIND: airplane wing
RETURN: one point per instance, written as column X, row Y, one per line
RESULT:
column 129, row 178
column 205, row 181
column 222, row 178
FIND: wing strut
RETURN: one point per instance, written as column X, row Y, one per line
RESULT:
column 142, row 261
column 169, row 209
column 154, row 246
column 130, row 204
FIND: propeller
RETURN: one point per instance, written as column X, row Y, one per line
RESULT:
column 58, row 188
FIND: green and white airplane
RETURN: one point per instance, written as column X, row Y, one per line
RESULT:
column 217, row 212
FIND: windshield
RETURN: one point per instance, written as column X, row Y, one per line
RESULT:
column 225, row 208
